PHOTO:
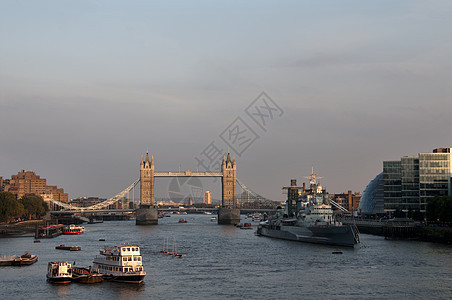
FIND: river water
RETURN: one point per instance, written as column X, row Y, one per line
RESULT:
column 224, row 262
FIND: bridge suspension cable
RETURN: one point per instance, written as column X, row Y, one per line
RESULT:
column 128, row 189
column 254, row 194
column 98, row 205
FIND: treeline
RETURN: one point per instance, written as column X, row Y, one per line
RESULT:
column 440, row 209
column 27, row 207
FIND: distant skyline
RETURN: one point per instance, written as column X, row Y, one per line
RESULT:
column 87, row 86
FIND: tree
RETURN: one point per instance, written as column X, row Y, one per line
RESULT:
column 33, row 206
column 440, row 209
column 417, row 215
column 9, row 206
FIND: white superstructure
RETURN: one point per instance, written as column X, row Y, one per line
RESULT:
column 122, row 263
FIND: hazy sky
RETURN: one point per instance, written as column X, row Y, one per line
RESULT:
column 87, row 86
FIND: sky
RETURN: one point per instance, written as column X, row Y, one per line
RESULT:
column 86, row 87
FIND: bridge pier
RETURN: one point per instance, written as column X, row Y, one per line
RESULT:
column 147, row 215
column 228, row 216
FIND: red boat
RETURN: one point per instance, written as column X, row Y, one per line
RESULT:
column 73, row 229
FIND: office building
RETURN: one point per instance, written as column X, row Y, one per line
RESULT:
column 411, row 182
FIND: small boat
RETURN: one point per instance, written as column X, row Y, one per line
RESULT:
column 336, row 252
column 86, row 275
column 257, row 217
column 36, row 241
column 122, row 264
column 101, row 240
column 7, row 260
column 246, row 226
column 178, row 255
column 207, row 213
column 95, row 221
column 165, row 246
column 213, row 219
column 70, row 248
column 25, row 260
column 73, row 229
column 182, row 220
column 13, row 260
column 59, row 272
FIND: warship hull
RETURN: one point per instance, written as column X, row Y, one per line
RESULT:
column 329, row 235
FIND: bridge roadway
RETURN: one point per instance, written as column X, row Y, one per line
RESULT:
column 188, row 174
column 191, row 210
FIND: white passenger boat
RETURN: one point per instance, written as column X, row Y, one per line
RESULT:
column 122, row 263
column 73, row 229
column 59, row 272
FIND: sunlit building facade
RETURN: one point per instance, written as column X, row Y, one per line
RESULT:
column 29, row 183
column 207, row 198
column 411, row 182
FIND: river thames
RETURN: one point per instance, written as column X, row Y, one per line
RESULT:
column 224, row 262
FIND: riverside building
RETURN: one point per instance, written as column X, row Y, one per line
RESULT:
column 410, row 183
column 28, row 183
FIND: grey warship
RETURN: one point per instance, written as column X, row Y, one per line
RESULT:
column 308, row 217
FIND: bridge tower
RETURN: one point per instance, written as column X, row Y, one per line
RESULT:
column 147, row 170
column 229, row 169
column 147, row 213
column 228, row 213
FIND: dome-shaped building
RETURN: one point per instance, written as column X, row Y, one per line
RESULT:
column 372, row 200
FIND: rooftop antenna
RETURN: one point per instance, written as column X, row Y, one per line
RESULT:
column 313, row 177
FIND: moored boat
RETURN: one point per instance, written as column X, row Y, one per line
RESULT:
column 122, row 263
column 7, row 260
column 246, row 226
column 182, row 220
column 86, row 275
column 73, row 229
column 70, row 248
column 308, row 218
column 14, row 260
column 59, row 272
column 25, row 260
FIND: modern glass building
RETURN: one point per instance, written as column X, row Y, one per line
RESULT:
column 372, row 200
column 411, row 182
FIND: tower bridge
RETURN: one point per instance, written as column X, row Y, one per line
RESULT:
column 147, row 212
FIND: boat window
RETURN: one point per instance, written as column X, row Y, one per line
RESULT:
column 128, row 249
